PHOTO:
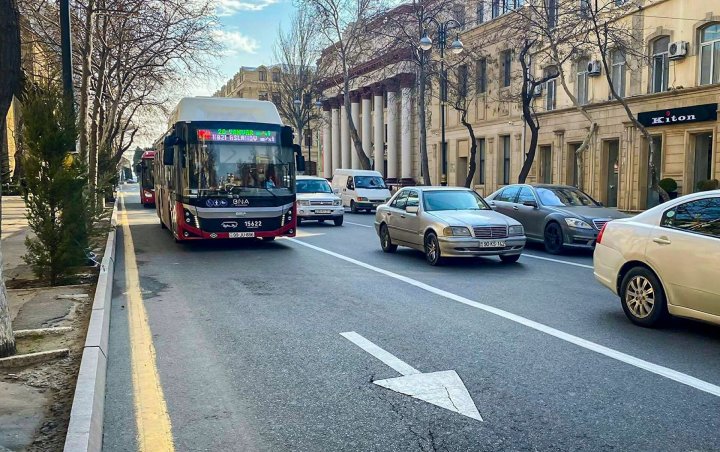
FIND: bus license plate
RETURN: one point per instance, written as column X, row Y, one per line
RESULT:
column 323, row 211
column 492, row 244
column 240, row 235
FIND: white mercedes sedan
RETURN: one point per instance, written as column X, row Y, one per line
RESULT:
column 665, row 261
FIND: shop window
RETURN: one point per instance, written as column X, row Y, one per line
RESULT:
column 710, row 55
column 660, row 64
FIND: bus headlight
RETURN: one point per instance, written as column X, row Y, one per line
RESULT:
column 191, row 219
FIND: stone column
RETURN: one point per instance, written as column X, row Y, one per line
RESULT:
column 335, row 137
column 367, row 122
column 355, row 115
column 406, row 129
column 392, row 133
column 327, row 142
column 379, row 128
column 344, row 138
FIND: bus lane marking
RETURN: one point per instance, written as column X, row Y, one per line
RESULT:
column 656, row 369
column 151, row 414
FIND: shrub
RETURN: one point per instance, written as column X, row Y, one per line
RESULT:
column 707, row 185
column 56, row 186
column 668, row 184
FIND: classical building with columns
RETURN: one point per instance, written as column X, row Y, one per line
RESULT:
column 383, row 111
column 674, row 91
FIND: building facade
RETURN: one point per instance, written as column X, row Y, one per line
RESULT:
column 674, row 92
column 263, row 83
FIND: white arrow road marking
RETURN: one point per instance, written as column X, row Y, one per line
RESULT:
column 444, row 389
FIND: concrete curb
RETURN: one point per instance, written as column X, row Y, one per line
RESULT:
column 85, row 431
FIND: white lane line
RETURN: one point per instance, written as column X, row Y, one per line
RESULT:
column 580, row 342
column 574, row 264
column 358, row 224
column 386, row 357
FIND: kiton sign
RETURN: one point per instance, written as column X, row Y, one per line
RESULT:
column 697, row 113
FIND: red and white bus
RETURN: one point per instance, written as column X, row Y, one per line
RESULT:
column 226, row 169
column 147, row 181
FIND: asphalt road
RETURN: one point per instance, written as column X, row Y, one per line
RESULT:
column 250, row 357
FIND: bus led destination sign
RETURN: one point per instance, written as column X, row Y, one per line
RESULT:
column 238, row 135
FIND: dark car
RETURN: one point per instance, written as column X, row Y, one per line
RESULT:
column 557, row 215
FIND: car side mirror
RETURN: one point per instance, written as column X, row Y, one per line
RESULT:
column 530, row 204
column 412, row 209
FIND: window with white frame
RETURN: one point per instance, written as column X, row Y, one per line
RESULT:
column 550, row 87
column 618, row 71
column 710, row 55
column 660, row 64
column 581, row 81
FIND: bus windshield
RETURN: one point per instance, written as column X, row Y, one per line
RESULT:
column 241, row 168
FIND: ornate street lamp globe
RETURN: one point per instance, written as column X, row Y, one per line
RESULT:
column 456, row 46
column 425, row 42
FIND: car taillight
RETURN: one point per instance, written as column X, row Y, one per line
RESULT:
column 600, row 234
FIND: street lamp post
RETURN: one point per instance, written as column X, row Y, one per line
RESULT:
column 456, row 47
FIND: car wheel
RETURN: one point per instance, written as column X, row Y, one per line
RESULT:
column 432, row 249
column 510, row 258
column 338, row 221
column 353, row 207
column 643, row 298
column 553, row 238
column 385, row 242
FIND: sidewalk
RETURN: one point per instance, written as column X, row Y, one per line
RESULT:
column 35, row 400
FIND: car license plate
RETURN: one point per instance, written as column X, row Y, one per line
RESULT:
column 323, row 211
column 240, row 235
column 492, row 244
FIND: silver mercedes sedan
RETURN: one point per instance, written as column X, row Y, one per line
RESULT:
column 447, row 222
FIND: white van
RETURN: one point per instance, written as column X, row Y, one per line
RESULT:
column 360, row 189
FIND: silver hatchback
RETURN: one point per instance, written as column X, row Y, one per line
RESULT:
column 447, row 222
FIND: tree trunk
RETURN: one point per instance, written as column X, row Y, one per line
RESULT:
column 424, row 166
column 85, row 83
column 473, row 149
column 10, row 79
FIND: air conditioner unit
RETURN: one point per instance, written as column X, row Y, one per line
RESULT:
column 678, row 50
column 537, row 92
column 594, row 68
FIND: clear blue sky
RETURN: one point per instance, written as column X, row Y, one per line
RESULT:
column 249, row 29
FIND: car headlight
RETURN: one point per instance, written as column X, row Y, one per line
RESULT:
column 577, row 223
column 516, row 230
column 456, row 231
column 337, row 202
column 303, row 202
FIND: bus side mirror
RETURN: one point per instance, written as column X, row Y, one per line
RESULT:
column 169, row 149
column 286, row 136
column 299, row 158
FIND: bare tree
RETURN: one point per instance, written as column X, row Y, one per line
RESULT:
column 343, row 25
column 10, row 82
column 297, row 88
column 613, row 36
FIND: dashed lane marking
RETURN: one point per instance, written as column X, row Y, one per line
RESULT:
column 662, row 371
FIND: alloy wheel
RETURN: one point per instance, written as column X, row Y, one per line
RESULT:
column 640, row 297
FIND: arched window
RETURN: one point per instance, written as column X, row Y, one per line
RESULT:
column 660, row 64
column 710, row 55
